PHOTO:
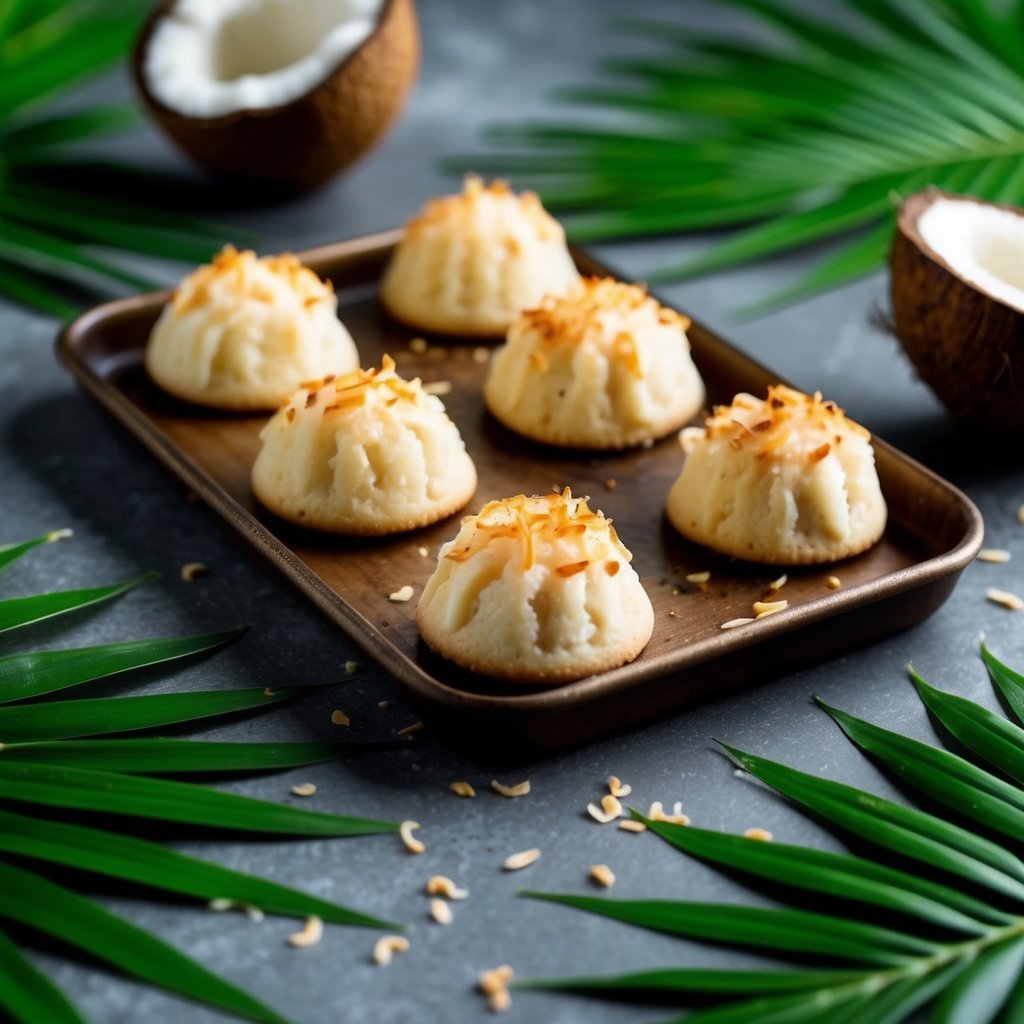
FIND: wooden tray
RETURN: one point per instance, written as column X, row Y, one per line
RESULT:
column 934, row 530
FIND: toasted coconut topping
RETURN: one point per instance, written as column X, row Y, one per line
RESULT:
column 632, row 825
column 441, row 912
column 766, row 426
column 463, row 789
column 338, row 717
column 441, row 885
column 386, row 947
column 438, row 387
column 477, row 200
column 609, row 810
column 993, row 555
column 519, row 789
column 1005, row 598
column 657, row 813
column 310, row 935
column 516, row 861
column 600, row 311
column 833, row 583
column 603, row 875
column 412, row 844
column 304, row 789
column 761, row 834
column 495, row 979
column 191, row 571
column 618, row 788
column 237, row 273
column 546, row 518
column 763, row 608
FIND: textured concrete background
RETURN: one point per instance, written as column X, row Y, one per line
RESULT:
column 63, row 465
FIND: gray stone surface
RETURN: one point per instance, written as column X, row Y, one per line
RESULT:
column 63, row 465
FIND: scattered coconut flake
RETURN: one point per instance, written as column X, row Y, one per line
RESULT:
column 618, row 788
column 1005, row 598
column 386, row 947
column 993, row 555
column 733, row 623
column 481, row 354
column 338, row 717
column 632, row 825
column 658, row 813
column 763, row 608
column 603, row 875
column 500, row 1001
column 516, row 861
column 495, row 979
column 411, row 730
column 441, row 885
column 833, row 583
column 418, row 345
column 412, row 844
column 251, row 911
column 438, row 387
column 519, row 789
column 191, row 571
column 463, row 789
column 310, row 935
column 778, row 584
column 402, row 594
column 609, row 810
column 698, row 577
column 304, row 789
column 55, row 535
column 383, row 704
column 351, row 666
column 441, row 912
column 761, row 834
column 423, row 552
column 267, row 691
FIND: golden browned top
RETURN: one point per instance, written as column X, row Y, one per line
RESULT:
column 601, row 310
column 242, row 275
column 557, row 520
column 765, row 425
column 477, row 201
column 354, row 389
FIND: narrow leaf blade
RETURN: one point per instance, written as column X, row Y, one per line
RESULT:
column 22, row 611
column 28, row 995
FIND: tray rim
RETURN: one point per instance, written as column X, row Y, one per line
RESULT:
column 934, row 569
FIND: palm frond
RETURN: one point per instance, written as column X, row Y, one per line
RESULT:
column 46, row 767
column 931, row 916
column 818, row 130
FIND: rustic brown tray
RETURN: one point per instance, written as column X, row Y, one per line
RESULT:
column 933, row 533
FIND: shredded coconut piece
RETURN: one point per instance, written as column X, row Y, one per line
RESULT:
column 413, row 845
column 603, row 875
column 500, row 1001
column 763, row 608
column 698, row 577
column 618, row 788
column 778, row 584
column 411, row 730
column 441, row 912
column 519, row 789
column 386, row 947
column 1005, row 598
column 441, row 885
column 383, row 704
column 338, row 717
column 495, row 979
column 351, row 666
column 304, row 789
column 438, row 387
column 521, row 860
column 609, row 810
column 733, row 623
column 833, row 583
column 632, row 825
column 55, row 535
column 310, row 935
column 993, row 555
column 657, row 813
column 191, row 571
column 758, row 833
column 463, row 789
column 418, row 345
column 251, row 911
column 422, row 552
column 402, row 594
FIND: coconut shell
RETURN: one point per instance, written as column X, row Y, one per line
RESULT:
column 304, row 143
column 967, row 346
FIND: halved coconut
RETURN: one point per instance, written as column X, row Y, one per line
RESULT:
column 277, row 91
column 957, row 293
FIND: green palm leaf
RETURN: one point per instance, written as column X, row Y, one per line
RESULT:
column 27, row 994
column 12, row 552
column 23, row 611
column 961, row 948
column 793, row 140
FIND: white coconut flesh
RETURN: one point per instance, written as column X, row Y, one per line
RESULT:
column 207, row 58
column 984, row 245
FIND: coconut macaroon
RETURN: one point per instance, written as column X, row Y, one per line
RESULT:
column 244, row 331
column 786, row 480
column 537, row 590
column 603, row 366
column 365, row 453
column 469, row 263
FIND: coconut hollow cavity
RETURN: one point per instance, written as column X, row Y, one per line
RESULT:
column 244, row 331
column 260, row 89
column 603, row 366
column 537, row 590
column 468, row 264
column 367, row 453
column 784, row 480
column 957, row 294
